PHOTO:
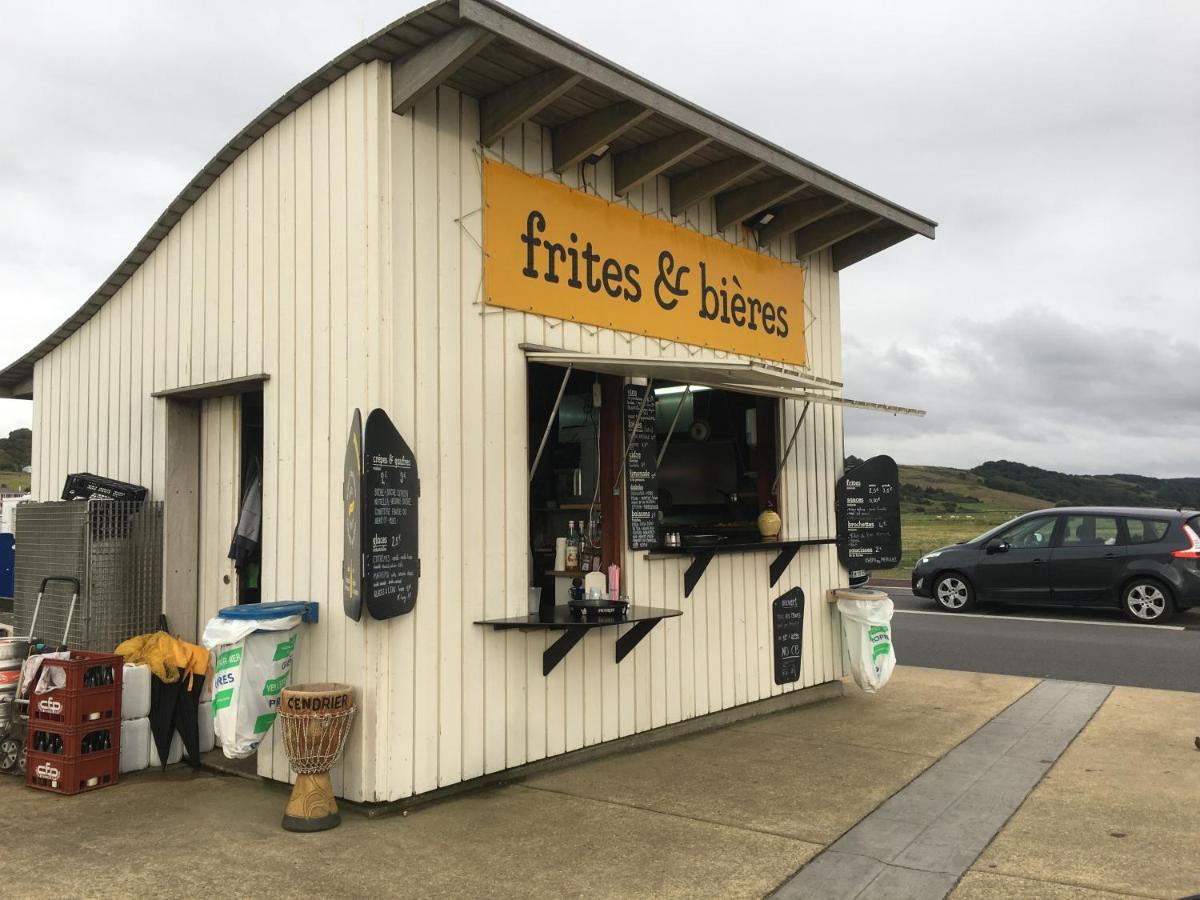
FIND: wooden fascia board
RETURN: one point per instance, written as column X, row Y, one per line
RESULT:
column 708, row 181
column 858, row 247
column 415, row 76
column 512, row 105
column 632, row 167
column 560, row 51
column 741, row 203
column 794, row 216
column 827, row 232
column 576, row 140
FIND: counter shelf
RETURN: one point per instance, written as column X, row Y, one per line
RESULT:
column 702, row 555
column 642, row 618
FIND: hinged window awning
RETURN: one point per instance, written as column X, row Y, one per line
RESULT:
column 743, row 376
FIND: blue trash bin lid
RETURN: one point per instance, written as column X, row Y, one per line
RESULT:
column 276, row 610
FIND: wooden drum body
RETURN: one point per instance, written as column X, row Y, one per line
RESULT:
column 315, row 720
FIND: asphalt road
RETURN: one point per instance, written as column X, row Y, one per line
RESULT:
column 1086, row 645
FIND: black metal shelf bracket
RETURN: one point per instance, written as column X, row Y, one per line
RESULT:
column 696, row 570
column 554, row 654
column 572, row 628
column 633, row 637
column 779, row 566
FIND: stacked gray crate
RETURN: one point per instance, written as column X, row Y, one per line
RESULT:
column 113, row 547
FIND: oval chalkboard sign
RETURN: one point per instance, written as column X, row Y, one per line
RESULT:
column 352, row 521
column 390, row 488
column 868, row 515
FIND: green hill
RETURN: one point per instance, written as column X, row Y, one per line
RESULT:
column 1090, row 490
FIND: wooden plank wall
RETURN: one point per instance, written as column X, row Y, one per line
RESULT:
column 464, row 700
column 340, row 254
column 276, row 268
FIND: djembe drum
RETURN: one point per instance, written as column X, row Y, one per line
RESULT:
column 315, row 720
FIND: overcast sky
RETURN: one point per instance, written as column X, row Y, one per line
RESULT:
column 1053, row 321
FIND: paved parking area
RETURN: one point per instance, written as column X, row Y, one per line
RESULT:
column 919, row 842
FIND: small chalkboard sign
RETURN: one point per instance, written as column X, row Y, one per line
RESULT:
column 641, row 468
column 390, row 488
column 868, row 515
column 352, row 521
column 787, row 622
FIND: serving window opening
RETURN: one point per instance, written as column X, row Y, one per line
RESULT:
column 574, row 457
column 712, row 453
column 718, row 462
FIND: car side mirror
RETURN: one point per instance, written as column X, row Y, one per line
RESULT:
column 997, row 546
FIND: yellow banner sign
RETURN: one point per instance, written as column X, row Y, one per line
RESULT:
column 561, row 253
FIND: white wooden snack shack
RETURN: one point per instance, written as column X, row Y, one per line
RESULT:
column 604, row 324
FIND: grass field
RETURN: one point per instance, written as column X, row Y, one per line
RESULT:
column 927, row 526
column 14, row 481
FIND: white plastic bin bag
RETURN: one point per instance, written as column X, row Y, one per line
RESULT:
column 867, row 626
column 253, row 664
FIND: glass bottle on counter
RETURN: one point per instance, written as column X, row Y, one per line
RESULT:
column 572, row 548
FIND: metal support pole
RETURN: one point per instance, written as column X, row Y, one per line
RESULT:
column 671, row 430
column 637, row 422
column 788, row 451
column 550, row 424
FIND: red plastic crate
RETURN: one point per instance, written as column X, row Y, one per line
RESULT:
column 71, row 708
column 73, row 704
column 77, row 664
column 73, row 737
column 89, row 772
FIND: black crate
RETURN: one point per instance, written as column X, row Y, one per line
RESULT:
column 86, row 486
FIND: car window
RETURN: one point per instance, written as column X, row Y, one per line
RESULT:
column 1146, row 531
column 1090, row 531
column 1030, row 533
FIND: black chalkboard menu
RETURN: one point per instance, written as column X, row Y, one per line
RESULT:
column 787, row 623
column 641, row 468
column 390, row 488
column 868, row 515
column 352, row 521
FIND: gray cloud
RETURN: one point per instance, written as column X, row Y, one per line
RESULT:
column 1056, row 143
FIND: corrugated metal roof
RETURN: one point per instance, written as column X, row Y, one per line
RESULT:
column 523, row 48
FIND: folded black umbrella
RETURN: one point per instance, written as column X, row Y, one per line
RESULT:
column 175, row 706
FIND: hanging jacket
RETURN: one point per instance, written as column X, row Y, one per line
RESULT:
column 249, row 527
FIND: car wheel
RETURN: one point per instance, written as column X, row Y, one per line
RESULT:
column 1146, row 601
column 953, row 592
column 10, row 754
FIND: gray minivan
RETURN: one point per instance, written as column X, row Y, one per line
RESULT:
column 1144, row 561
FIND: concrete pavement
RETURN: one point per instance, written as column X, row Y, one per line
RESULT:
column 1119, row 813
column 731, row 812
column 921, row 841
